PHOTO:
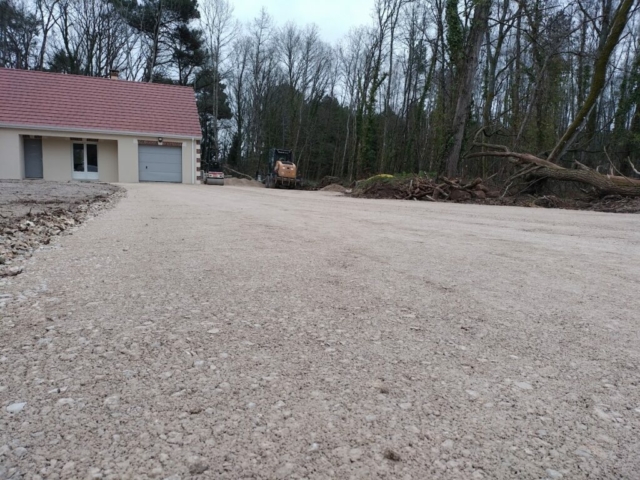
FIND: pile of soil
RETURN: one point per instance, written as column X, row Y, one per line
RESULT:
column 328, row 180
column 242, row 182
column 32, row 212
column 334, row 187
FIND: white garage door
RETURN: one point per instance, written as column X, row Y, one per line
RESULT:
column 160, row 164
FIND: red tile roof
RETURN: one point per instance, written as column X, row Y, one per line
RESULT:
column 93, row 104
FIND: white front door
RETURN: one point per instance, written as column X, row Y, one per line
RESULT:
column 85, row 161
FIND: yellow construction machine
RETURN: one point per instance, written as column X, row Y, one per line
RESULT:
column 282, row 172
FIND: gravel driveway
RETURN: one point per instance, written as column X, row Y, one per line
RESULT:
column 246, row 333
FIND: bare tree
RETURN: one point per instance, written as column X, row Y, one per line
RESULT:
column 219, row 29
column 47, row 12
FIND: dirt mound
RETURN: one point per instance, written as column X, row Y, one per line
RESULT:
column 334, row 187
column 328, row 180
column 242, row 182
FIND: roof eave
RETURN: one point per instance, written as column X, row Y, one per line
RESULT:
column 101, row 132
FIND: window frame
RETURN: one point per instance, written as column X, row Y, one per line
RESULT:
column 85, row 175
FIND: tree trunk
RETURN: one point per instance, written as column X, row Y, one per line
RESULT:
column 466, row 81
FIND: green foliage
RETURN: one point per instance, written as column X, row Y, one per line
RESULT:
column 318, row 122
column 235, row 152
column 152, row 16
column 64, row 63
column 172, row 40
column 203, row 84
column 186, row 50
column 455, row 33
column 18, row 31
column 387, row 179
column 369, row 135
column 381, row 178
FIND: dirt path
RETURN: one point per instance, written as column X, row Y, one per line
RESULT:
column 249, row 333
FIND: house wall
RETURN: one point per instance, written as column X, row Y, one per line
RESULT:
column 58, row 166
column 11, row 164
column 117, row 155
column 186, row 162
column 21, row 146
column 56, row 159
column 108, row 161
column 128, row 160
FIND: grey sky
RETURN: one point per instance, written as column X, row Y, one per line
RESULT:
column 333, row 17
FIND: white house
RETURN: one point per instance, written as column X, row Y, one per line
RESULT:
column 69, row 127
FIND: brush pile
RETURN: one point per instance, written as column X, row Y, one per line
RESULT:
column 423, row 188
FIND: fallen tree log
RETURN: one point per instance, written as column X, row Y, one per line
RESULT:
column 606, row 184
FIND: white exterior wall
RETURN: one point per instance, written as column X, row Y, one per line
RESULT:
column 187, row 176
column 108, row 161
column 128, row 160
column 56, row 159
column 11, row 164
column 117, row 155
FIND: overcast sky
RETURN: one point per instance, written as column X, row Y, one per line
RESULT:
column 333, row 17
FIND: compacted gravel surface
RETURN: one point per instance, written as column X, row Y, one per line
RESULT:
column 238, row 333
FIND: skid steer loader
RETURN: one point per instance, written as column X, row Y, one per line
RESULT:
column 281, row 171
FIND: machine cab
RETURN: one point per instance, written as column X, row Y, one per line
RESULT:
column 280, row 155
